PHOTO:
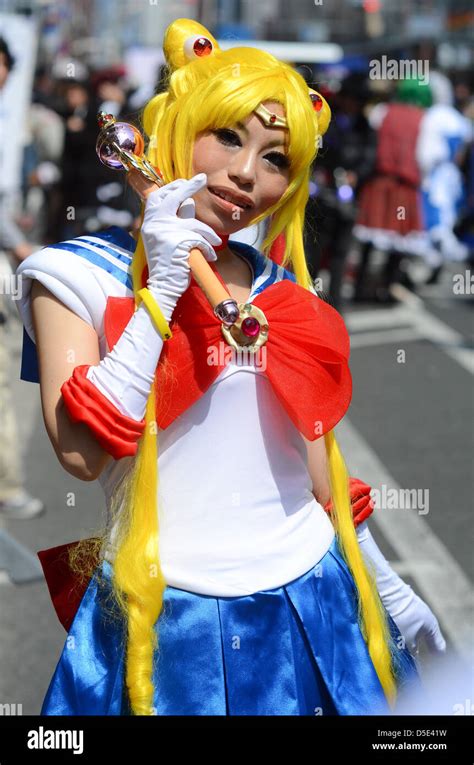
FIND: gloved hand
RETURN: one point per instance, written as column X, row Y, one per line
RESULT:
column 168, row 236
column 362, row 504
column 111, row 397
column 413, row 617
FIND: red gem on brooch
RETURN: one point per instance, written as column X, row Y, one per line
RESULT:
column 250, row 327
column 202, row 47
column 273, row 118
column 317, row 101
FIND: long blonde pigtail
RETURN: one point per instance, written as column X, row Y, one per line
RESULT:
column 138, row 583
column 372, row 616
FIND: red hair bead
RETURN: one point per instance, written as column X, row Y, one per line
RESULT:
column 202, row 47
column 317, row 101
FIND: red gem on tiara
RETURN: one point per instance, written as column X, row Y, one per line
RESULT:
column 273, row 118
column 202, row 47
column 317, row 101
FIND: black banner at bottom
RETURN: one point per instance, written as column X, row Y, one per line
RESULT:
column 423, row 739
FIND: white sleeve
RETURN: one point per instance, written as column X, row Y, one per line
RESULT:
column 78, row 282
column 431, row 144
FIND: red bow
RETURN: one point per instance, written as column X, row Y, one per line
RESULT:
column 305, row 357
column 66, row 587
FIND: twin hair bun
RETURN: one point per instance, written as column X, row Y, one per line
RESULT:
column 186, row 40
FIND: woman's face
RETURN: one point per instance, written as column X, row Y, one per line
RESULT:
column 248, row 163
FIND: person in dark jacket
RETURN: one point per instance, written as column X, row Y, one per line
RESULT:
column 345, row 162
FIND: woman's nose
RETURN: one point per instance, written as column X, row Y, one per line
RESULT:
column 243, row 168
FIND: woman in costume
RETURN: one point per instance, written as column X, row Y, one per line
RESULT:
column 236, row 574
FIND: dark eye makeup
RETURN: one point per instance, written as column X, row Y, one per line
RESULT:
column 230, row 137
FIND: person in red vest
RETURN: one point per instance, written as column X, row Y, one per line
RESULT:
column 390, row 216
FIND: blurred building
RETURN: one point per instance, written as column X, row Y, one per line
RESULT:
column 101, row 30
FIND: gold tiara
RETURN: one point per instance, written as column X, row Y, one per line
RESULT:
column 269, row 118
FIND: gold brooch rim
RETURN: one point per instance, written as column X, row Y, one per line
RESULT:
column 247, row 310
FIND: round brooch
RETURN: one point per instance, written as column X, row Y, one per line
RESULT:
column 250, row 331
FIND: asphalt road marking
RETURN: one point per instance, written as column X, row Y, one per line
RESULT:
column 19, row 563
column 437, row 331
column 422, row 555
column 409, row 321
column 365, row 339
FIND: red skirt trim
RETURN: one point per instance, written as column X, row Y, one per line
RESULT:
column 388, row 203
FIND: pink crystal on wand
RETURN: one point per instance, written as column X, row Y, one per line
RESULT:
column 250, row 326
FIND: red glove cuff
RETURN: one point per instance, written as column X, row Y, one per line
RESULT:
column 115, row 432
column 361, row 501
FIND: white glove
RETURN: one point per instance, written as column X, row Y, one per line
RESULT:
column 412, row 616
column 168, row 237
column 125, row 375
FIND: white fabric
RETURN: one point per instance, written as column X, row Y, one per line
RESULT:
column 78, row 283
column 236, row 510
column 442, row 129
column 438, row 124
column 416, row 243
column 125, row 375
column 412, row 616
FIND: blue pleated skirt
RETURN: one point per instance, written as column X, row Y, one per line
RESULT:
column 293, row 650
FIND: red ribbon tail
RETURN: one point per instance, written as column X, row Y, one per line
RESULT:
column 65, row 587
